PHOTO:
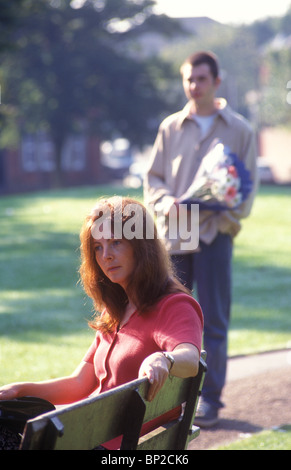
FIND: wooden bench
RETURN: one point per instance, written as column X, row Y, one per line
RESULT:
column 123, row 410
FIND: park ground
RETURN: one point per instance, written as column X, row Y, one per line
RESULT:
column 43, row 311
column 257, row 399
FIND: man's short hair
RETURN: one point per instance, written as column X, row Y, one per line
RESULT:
column 199, row 58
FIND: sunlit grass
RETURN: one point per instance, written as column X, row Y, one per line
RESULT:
column 262, row 276
column 44, row 312
column 274, row 439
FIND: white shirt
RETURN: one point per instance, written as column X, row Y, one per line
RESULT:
column 204, row 122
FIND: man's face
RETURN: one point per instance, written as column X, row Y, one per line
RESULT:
column 199, row 84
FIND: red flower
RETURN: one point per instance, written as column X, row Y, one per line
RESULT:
column 230, row 193
column 232, row 171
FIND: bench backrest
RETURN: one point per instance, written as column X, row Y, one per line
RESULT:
column 121, row 411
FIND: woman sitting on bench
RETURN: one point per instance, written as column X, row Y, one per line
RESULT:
column 146, row 322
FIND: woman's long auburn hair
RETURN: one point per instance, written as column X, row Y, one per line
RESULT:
column 152, row 278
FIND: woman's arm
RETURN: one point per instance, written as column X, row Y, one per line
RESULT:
column 156, row 366
column 58, row 391
column 186, row 358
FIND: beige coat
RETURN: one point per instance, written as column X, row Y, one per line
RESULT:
column 177, row 153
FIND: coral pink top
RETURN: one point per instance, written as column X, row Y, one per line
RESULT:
column 117, row 356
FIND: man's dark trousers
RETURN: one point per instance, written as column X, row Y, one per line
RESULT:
column 210, row 269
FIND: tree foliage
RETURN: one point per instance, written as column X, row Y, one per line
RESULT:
column 69, row 72
column 255, row 60
column 77, row 66
column 8, row 22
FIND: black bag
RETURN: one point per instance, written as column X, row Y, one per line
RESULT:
column 9, row 440
column 14, row 413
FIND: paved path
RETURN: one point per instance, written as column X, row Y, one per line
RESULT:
column 246, row 366
column 257, row 396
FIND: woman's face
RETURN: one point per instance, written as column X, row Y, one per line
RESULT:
column 115, row 258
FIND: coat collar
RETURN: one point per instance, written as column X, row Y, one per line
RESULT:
column 223, row 111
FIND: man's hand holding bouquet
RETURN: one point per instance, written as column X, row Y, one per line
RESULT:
column 221, row 183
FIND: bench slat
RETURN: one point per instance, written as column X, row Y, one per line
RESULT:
column 120, row 411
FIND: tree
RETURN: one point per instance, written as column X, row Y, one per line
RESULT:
column 285, row 23
column 274, row 107
column 8, row 22
column 70, row 71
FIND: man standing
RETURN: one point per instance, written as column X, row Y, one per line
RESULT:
column 184, row 138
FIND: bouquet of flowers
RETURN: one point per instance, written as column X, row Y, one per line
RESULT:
column 221, row 183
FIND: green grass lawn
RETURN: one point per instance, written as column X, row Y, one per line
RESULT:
column 274, row 439
column 43, row 310
column 44, row 313
column 261, row 317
